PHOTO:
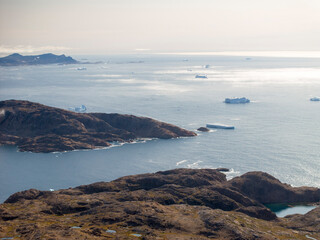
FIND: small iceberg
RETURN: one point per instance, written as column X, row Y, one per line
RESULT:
column 81, row 68
column 81, row 109
column 237, row 100
column 315, row 99
column 220, row 126
column 206, row 66
column 201, row 76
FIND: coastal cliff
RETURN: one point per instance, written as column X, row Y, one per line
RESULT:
column 38, row 128
column 174, row 204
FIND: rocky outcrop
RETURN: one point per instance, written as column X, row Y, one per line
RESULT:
column 203, row 129
column 25, row 195
column 48, row 58
column 266, row 189
column 174, row 204
column 38, row 128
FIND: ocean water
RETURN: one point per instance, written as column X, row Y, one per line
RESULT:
column 278, row 132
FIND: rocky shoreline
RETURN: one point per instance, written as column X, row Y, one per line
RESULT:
column 174, row 204
column 38, row 128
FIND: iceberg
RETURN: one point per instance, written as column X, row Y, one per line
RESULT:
column 237, row 100
column 200, row 76
column 81, row 109
column 219, row 126
column 315, row 99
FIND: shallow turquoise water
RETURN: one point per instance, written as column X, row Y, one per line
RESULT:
column 278, row 132
column 282, row 210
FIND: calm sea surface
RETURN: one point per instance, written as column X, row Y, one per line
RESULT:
column 278, row 132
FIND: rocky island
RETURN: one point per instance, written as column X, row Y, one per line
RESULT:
column 38, row 128
column 174, row 204
column 16, row 59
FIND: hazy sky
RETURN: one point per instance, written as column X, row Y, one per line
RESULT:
column 105, row 26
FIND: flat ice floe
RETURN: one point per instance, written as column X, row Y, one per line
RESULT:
column 219, row 126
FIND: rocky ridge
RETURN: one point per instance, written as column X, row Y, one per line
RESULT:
column 38, row 128
column 174, row 204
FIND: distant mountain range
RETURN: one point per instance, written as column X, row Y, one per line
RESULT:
column 48, row 58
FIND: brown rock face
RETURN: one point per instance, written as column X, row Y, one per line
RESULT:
column 175, row 204
column 39, row 128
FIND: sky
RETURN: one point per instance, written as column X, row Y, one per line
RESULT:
column 123, row 26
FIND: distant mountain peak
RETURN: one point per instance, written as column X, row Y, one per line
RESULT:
column 15, row 54
column 49, row 54
column 17, row 59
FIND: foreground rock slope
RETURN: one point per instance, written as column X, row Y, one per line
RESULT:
column 175, row 204
column 38, row 128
